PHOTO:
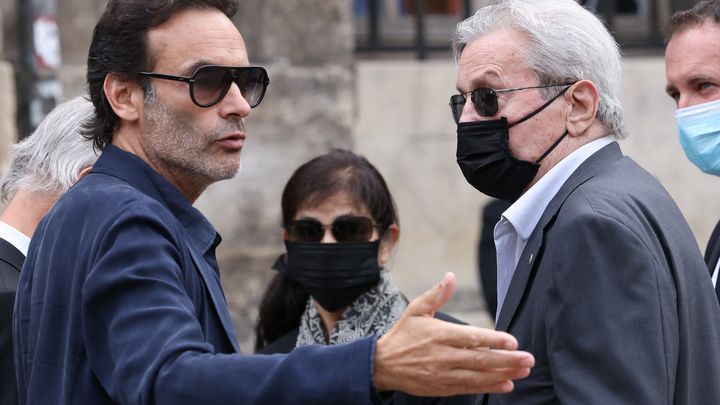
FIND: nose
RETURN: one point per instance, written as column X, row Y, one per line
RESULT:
column 234, row 104
column 468, row 112
column 328, row 237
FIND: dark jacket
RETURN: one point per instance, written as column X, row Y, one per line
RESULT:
column 11, row 261
column 120, row 301
column 712, row 254
column 612, row 297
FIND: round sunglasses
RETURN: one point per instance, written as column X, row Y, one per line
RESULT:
column 345, row 228
column 210, row 83
column 485, row 99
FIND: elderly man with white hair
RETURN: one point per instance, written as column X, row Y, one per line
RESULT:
column 43, row 167
column 599, row 275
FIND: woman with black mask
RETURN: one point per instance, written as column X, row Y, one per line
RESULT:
column 339, row 226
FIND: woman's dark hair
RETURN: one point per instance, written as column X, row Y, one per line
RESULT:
column 119, row 46
column 338, row 171
column 706, row 10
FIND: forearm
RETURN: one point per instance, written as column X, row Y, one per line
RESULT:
column 309, row 374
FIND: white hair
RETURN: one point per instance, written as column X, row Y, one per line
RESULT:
column 567, row 43
column 51, row 158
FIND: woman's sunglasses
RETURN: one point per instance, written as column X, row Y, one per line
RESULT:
column 485, row 99
column 345, row 228
column 210, row 83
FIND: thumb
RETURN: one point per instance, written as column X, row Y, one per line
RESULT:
column 431, row 300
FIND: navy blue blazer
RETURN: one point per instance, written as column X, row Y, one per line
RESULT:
column 120, row 301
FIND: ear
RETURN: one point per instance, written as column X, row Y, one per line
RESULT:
column 124, row 96
column 583, row 97
column 387, row 243
column 84, row 172
column 284, row 234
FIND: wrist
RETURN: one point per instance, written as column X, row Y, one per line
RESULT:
column 379, row 376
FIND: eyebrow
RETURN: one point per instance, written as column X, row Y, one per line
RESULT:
column 483, row 80
column 691, row 82
column 700, row 79
column 197, row 65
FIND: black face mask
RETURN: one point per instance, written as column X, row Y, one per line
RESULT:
column 335, row 274
column 483, row 154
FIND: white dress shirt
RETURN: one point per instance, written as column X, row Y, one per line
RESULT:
column 14, row 237
column 519, row 220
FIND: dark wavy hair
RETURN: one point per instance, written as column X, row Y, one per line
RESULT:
column 706, row 10
column 119, row 46
column 338, row 171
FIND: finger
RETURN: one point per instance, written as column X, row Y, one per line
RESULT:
column 456, row 335
column 459, row 382
column 446, row 290
column 499, row 388
column 468, row 382
column 487, row 360
column 430, row 301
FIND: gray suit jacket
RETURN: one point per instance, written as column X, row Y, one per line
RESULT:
column 612, row 297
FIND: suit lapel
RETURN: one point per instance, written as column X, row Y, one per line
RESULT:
column 713, row 256
column 712, row 252
column 216, row 296
column 11, row 255
column 531, row 255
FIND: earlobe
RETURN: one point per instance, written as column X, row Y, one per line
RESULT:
column 583, row 98
column 387, row 243
column 122, row 95
column 84, row 172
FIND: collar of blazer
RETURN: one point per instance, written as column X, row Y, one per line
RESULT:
column 533, row 249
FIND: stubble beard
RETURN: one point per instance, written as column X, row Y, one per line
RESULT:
column 183, row 149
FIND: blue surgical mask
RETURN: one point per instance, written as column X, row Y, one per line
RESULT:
column 699, row 132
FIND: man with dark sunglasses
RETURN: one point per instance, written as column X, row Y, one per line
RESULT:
column 598, row 274
column 120, row 298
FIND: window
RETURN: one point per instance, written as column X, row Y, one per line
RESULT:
column 426, row 26
column 419, row 26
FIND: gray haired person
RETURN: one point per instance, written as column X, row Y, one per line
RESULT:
column 43, row 167
column 598, row 274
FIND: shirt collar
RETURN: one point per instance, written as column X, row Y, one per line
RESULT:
column 525, row 213
column 130, row 168
column 14, row 237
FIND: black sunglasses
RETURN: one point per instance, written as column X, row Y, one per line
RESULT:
column 210, row 83
column 485, row 99
column 345, row 228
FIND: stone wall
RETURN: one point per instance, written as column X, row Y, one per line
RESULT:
column 393, row 111
column 307, row 48
column 412, row 141
column 8, row 133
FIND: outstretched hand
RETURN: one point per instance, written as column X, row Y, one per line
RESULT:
column 425, row 356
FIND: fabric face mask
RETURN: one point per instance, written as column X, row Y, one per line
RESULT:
column 335, row 274
column 699, row 133
column 483, row 154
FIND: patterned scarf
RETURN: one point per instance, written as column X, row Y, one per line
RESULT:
column 373, row 313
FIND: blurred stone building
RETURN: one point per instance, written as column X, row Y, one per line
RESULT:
column 340, row 77
column 307, row 47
